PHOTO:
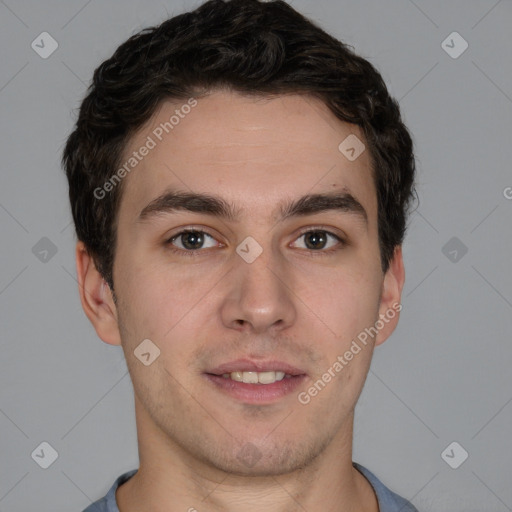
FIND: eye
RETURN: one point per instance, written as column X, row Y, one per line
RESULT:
column 192, row 240
column 319, row 240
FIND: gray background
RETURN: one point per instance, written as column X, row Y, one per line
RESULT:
column 443, row 376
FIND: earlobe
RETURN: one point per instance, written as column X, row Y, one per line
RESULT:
column 96, row 297
column 390, row 306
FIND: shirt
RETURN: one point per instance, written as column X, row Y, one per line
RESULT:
column 387, row 499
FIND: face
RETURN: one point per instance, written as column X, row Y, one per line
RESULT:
column 248, row 242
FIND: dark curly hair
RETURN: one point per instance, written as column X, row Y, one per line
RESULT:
column 248, row 46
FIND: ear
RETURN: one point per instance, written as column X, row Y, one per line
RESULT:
column 96, row 297
column 390, row 307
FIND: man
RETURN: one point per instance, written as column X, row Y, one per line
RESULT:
column 239, row 182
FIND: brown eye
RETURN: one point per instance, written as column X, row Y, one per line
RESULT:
column 191, row 240
column 317, row 240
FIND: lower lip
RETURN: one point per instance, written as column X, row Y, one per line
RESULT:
column 256, row 393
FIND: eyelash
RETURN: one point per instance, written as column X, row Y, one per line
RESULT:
column 195, row 253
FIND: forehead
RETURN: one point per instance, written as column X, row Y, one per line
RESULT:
column 255, row 152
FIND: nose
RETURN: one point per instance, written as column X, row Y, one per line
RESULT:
column 259, row 296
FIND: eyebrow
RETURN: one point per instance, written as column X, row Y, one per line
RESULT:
column 172, row 201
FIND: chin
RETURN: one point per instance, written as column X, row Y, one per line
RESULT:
column 271, row 460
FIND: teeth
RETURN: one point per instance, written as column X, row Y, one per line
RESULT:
column 255, row 377
column 249, row 377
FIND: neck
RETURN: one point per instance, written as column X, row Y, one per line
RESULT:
column 170, row 479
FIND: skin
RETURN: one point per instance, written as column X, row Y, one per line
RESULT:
column 291, row 304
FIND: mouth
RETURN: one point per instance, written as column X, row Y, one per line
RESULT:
column 265, row 378
column 256, row 383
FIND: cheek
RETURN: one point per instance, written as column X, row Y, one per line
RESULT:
column 159, row 301
column 344, row 301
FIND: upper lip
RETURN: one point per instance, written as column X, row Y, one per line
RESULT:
column 246, row 365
